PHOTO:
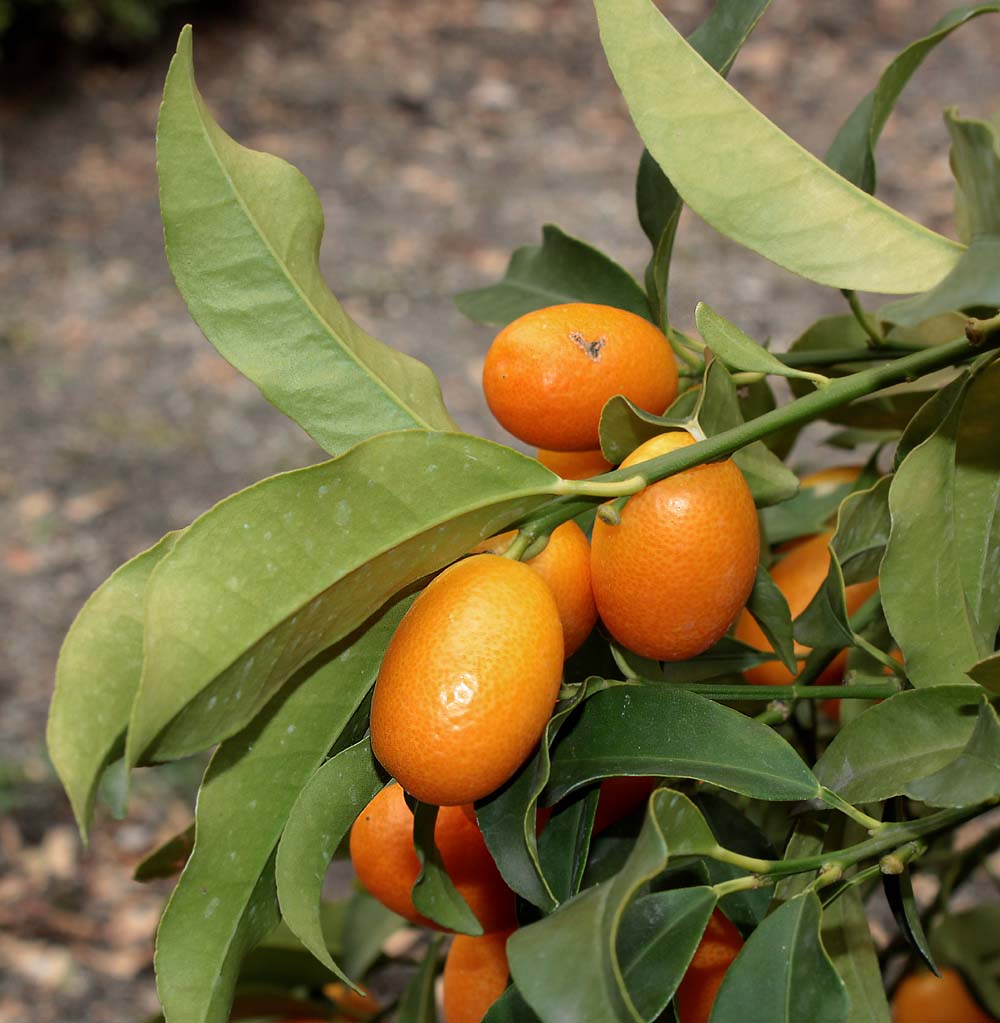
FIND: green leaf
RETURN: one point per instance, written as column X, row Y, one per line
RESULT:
column 783, row 974
column 97, row 676
column 923, row 597
column 974, row 776
column 565, row 842
column 852, row 152
column 825, row 622
column 898, row 889
column 975, row 280
column 417, row 1003
column 507, row 818
column 748, row 179
column 725, row 659
column 267, row 579
column 894, row 743
column 657, row 940
column 434, row 894
column 738, row 350
column 661, row 731
column 863, row 525
column 977, row 504
column 510, row 1007
column 243, row 232
column 624, row 426
column 226, row 901
column 808, row 512
column 987, row 673
column 281, row 960
column 970, row 941
column 367, row 925
column 848, row 941
column 718, row 409
column 561, row 269
column 567, row 965
column 770, row 610
column 166, row 860
column 322, row 815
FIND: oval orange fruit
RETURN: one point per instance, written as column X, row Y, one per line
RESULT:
column 564, row 565
column 475, row 975
column 670, row 578
column 923, row 998
column 719, row 946
column 386, row 863
column 468, row 681
column 548, row 374
column 575, row 465
column 799, row 574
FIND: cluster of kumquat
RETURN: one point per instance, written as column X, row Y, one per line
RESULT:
column 472, row 674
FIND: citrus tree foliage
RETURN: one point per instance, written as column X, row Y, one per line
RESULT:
column 259, row 628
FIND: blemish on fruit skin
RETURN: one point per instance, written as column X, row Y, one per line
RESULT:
column 592, row 349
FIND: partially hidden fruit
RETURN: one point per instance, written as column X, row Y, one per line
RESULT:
column 468, row 681
column 475, row 975
column 351, row 1007
column 923, row 998
column 564, row 565
column 719, row 946
column 619, row 797
column 575, row 465
column 799, row 574
column 386, row 863
column 548, row 374
column 672, row 575
column 827, row 480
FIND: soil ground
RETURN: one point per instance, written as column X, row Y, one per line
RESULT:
column 439, row 136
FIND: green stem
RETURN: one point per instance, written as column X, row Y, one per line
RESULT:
column 596, row 488
column 875, row 339
column 518, row 546
column 832, row 356
column 831, row 798
column 797, row 691
column 983, row 333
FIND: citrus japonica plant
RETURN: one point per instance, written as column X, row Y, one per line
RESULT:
column 639, row 729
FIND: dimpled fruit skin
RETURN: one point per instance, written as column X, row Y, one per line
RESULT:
column 575, row 465
column 670, row 578
column 475, row 975
column 718, row 947
column 923, row 998
column 564, row 565
column 386, row 863
column 799, row 574
column 468, row 681
column 548, row 374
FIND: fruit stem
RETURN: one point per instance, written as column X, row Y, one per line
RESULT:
column 595, row 488
column 866, row 322
column 518, row 546
column 983, row 333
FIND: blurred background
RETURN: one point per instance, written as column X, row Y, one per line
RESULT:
column 439, row 134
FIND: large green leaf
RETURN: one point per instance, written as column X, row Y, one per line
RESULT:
column 656, row 729
column 974, row 776
column 863, row 525
column 567, row 965
column 434, row 894
column 561, row 269
column 751, row 182
column 273, row 575
column 321, row 816
column 226, row 900
column 783, row 974
column 923, row 597
column 770, row 609
column 848, row 941
column 907, row 737
column 975, row 280
column 97, row 676
column 242, row 232
column 852, row 152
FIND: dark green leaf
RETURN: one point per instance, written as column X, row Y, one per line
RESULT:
column 751, row 182
column 848, row 940
column 807, row 839
column 898, row 890
column 974, row 776
column 243, row 232
column 987, row 673
column 226, row 901
column 434, row 894
column 367, row 924
column 322, row 815
column 923, row 598
column 738, row 350
column 770, row 610
column 929, row 417
column 281, row 960
column 658, row 936
column 893, row 744
column 727, row 658
column 825, row 622
column 510, row 1007
column 863, row 531
column 970, row 941
column 808, row 512
column 661, row 731
column 625, row 426
column 168, row 859
column 565, row 842
column 267, row 579
column 97, row 676
column 417, row 1003
column 566, row 965
column 561, row 269
column 783, row 974
column 974, row 281
column 852, row 152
